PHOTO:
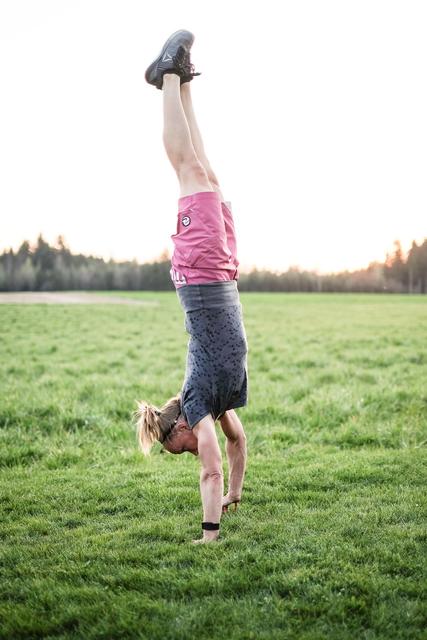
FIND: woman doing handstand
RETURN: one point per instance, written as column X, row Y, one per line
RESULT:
column 204, row 271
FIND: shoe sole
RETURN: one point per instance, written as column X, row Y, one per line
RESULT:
column 154, row 64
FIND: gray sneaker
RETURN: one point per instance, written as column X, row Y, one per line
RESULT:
column 173, row 58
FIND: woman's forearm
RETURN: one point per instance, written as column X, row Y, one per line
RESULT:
column 236, row 456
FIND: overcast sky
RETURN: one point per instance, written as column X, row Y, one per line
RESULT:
column 313, row 115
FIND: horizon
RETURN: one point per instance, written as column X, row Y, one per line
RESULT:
column 319, row 142
column 242, row 268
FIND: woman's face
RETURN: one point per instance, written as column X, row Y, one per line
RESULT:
column 181, row 439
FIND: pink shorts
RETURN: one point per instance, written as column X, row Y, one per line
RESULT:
column 205, row 241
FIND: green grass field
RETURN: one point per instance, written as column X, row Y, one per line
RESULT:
column 330, row 539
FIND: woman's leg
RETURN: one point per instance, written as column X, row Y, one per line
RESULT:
column 196, row 136
column 179, row 147
column 211, row 476
column 236, row 454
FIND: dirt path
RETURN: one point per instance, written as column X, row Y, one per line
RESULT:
column 66, row 297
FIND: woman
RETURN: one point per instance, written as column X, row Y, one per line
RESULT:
column 204, row 271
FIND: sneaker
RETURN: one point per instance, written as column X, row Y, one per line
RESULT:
column 173, row 58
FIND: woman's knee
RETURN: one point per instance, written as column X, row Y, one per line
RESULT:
column 192, row 176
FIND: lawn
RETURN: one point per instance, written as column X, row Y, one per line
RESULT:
column 330, row 538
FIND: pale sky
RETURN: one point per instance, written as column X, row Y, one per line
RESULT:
column 313, row 115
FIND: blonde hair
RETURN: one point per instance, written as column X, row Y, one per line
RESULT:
column 152, row 423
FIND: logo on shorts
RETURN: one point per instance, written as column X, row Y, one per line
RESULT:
column 186, row 221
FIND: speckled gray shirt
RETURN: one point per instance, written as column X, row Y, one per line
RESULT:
column 216, row 377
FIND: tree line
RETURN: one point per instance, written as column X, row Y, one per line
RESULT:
column 43, row 267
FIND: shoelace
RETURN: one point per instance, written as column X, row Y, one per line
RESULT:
column 182, row 60
column 189, row 71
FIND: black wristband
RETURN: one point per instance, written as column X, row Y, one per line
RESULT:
column 210, row 526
